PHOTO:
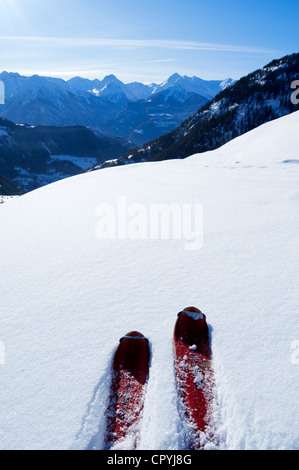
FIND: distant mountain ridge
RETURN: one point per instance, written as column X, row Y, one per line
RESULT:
column 33, row 156
column 255, row 99
column 100, row 104
column 138, row 91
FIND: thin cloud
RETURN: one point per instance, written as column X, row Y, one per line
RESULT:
column 139, row 43
column 93, row 70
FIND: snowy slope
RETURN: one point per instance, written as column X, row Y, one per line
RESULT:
column 67, row 297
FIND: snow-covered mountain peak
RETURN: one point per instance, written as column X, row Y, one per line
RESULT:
column 192, row 84
column 173, row 78
column 111, row 80
column 226, row 83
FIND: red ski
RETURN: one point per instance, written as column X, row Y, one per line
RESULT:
column 194, row 376
column 130, row 371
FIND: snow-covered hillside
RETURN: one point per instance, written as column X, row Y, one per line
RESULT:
column 67, row 296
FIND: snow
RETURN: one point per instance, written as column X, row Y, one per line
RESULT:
column 2, row 200
column 194, row 315
column 215, row 107
column 67, row 297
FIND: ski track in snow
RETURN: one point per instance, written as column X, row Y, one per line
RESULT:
column 94, row 418
column 67, row 297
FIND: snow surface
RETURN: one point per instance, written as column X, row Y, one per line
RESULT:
column 6, row 198
column 67, row 297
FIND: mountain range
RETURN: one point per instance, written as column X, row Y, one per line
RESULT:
column 34, row 155
column 52, row 129
column 255, row 99
column 134, row 111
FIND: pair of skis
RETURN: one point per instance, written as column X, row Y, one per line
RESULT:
column 194, row 379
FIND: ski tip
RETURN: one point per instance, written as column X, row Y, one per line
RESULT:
column 134, row 335
column 193, row 312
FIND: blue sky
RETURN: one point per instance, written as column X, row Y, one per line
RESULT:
column 145, row 40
